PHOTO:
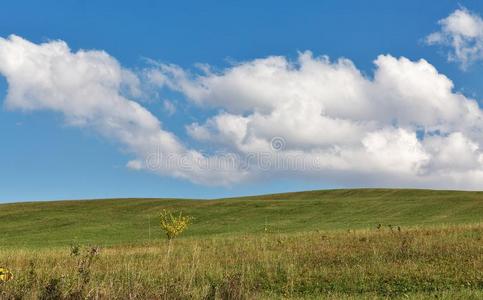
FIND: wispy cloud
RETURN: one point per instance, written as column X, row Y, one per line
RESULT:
column 462, row 33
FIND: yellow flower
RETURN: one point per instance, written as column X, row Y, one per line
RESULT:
column 5, row 274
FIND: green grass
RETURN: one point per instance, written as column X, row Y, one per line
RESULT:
column 307, row 245
column 127, row 221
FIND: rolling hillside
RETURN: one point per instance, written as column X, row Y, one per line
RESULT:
column 131, row 221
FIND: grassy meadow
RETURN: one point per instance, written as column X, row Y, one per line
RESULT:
column 310, row 245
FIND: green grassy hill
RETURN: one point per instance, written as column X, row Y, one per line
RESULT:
column 126, row 221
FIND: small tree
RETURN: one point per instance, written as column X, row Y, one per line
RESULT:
column 173, row 225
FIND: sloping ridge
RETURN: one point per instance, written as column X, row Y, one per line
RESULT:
column 112, row 221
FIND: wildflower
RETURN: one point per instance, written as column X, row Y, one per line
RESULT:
column 5, row 275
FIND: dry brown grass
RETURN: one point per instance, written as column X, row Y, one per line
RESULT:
column 416, row 263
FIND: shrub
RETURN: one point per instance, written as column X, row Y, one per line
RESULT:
column 174, row 224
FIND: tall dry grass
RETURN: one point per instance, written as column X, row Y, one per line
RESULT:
column 378, row 263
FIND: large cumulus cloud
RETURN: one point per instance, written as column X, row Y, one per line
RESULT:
column 402, row 126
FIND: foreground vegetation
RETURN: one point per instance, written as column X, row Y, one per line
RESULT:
column 444, row 262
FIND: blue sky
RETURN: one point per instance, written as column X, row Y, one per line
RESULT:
column 41, row 157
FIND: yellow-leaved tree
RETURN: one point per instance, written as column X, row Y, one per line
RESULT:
column 174, row 224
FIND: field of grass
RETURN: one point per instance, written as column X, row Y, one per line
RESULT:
column 121, row 221
column 310, row 245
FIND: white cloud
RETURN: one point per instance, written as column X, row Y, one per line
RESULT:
column 86, row 88
column 135, row 164
column 395, row 149
column 349, row 124
column 169, row 107
column 453, row 152
column 462, row 31
column 403, row 126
